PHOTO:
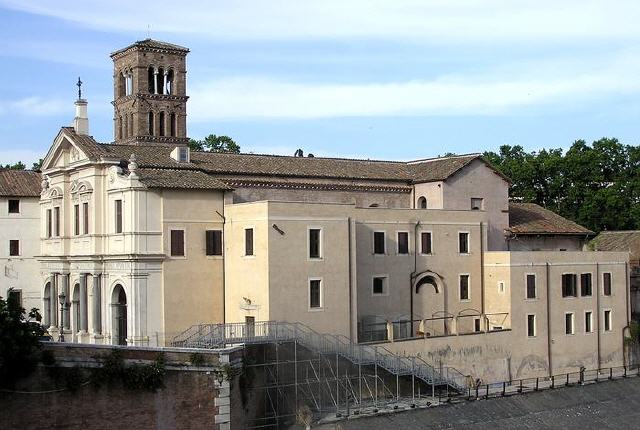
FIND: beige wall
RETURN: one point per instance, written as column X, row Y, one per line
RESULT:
column 546, row 243
column 432, row 191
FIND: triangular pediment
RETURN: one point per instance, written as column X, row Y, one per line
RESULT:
column 63, row 153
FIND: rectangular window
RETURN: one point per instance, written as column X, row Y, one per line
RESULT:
column 606, row 284
column 477, row 204
column 403, row 242
column 49, row 223
column 15, row 296
column 476, row 325
column 85, row 218
column 569, row 288
column 379, row 242
column 118, row 214
column 531, row 325
column 607, row 320
column 314, row 243
column 14, row 247
column 177, row 243
column 588, row 322
column 464, row 287
column 315, row 294
column 248, row 241
column 14, row 206
column 379, row 285
column 531, row 286
column 213, row 240
column 463, row 243
column 56, row 221
column 585, row 284
column 183, row 153
column 76, row 220
column 568, row 323
column 501, row 287
column 425, row 242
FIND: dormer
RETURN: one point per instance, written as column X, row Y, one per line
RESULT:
column 181, row 154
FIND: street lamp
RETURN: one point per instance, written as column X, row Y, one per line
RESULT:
column 62, row 297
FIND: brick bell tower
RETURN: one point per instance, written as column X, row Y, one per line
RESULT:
column 149, row 94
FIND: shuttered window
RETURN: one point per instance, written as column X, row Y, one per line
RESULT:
column 403, row 242
column 378, row 242
column 118, row 215
column 248, row 241
column 14, row 247
column 177, row 243
column 425, row 242
column 214, row 242
column 314, row 243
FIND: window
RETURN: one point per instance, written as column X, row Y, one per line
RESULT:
column 14, row 296
column 425, row 242
column 173, row 124
column 422, row 202
column 213, row 240
column 315, row 294
column 14, row 247
column 76, row 219
column 606, row 284
column 183, row 155
column 314, row 243
column 568, row 323
column 379, row 285
column 403, row 242
column 464, row 287
column 150, row 123
column 85, row 218
column 463, row 243
column 177, row 243
column 531, row 325
column 585, row 284
column 501, row 287
column 56, row 221
column 161, row 125
column 531, row 286
column 569, row 281
column 477, row 203
column 118, row 214
column 378, row 242
column 14, row 206
column 476, row 325
column 49, row 223
column 588, row 322
column 607, row 320
column 248, row 241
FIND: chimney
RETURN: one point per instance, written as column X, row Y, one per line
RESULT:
column 81, row 121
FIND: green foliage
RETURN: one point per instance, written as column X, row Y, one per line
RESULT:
column 19, row 341
column 634, row 334
column 197, row 359
column 17, row 166
column 214, row 143
column 148, row 377
column 597, row 185
column 37, row 165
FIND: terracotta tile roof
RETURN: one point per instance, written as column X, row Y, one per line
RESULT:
column 529, row 218
column 152, row 44
column 617, row 240
column 180, row 179
column 20, row 183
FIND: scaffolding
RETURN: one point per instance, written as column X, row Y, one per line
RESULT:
column 298, row 375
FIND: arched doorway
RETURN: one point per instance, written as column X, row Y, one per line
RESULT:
column 119, row 312
column 430, row 302
column 75, row 311
column 47, row 305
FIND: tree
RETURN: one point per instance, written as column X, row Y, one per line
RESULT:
column 37, row 165
column 214, row 143
column 17, row 166
column 19, row 341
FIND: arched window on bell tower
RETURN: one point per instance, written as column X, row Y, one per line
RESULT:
column 122, row 85
column 151, row 79
column 161, row 125
column 159, row 81
column 173, row 124
column 169, row 89
column 150, row 123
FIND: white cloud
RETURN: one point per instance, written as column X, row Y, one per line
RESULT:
column 434, row 21
column 490, row 92
column 34, row 106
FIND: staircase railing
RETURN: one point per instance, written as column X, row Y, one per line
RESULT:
column 220, row 335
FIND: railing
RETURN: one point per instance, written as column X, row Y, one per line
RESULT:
column 220, row 335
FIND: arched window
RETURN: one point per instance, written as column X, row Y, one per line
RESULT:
column 173, row 124
column 150, row 123
column 122, row 85
column 75, row 309
column 160, row 77
column 161, row 125
column 422, row 202
column 169, row 89
column 47, row 305
column 119, row 313
column 151, row 79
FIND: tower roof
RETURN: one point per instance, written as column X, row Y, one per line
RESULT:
column 152, row 45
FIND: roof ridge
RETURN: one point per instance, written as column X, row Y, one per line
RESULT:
column 293, row 156
column 426, row 160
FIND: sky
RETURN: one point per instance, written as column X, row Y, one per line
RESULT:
column 392, row 79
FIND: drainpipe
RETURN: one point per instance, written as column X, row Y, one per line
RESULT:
column 349, row 245
column 626, row 328
column 549, row 357
column 482, row 274
column 224, row 264
column 415, row 270
column 598, row 309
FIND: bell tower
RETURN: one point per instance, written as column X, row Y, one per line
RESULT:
column 149, row 94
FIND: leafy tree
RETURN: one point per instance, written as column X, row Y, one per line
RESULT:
column 37, row 165
column 19, row 341
column 17, row 166
column 215, row 143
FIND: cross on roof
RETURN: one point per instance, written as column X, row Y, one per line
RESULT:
column 79, row 84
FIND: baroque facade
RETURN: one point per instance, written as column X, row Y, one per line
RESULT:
column 145, row 238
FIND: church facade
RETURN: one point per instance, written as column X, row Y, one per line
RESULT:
column 143, row 238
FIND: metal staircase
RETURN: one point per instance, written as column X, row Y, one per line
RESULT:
column 221, row 335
